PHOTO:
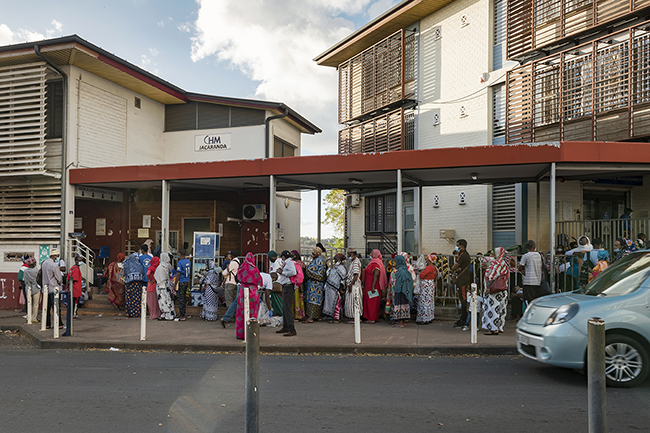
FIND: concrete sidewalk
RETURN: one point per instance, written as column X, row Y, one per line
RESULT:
column 197, row 335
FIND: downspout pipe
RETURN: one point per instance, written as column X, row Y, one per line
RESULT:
column 64, row 148
column 267, row 122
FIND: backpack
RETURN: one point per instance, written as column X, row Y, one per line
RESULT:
column 39, row 277
column 231, row 273
column 299, row 277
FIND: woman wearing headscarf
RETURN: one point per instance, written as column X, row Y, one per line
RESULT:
column 402, row 292
column 316, row 274
column 152, row 296
column 164, row 288
column 622, row 248
column 495, row 305
column 334, row 286
column 375, row 282
column 389, row 292
column 115, row 282
column 426, row 301
column 298, row 301
column 249, row 276
column 133, row 278
column 209, row 284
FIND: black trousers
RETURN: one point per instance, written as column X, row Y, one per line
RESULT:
column 461, row 291
column 50, row 310
column 287, row 311
column 182, row 297
column 530, row 293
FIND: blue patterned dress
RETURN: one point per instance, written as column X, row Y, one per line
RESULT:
column 315, row 287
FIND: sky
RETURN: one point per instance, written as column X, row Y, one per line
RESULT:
column 258, row 49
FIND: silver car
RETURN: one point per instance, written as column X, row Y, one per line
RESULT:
column 553, row 329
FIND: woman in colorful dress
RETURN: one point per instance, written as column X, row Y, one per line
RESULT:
column 298, row 300
column 333, row 286
column 208, row 284
column 495, row 305
column 427, row 299
column 375, row 282
column 402, row 293
column 622, row 248
column 164, row 288
column 249, row 276
column 115, row 282
column 152, row 296
column 133, row 278
column 316, row 274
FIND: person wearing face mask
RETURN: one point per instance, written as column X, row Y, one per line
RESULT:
column 622, row 247
column 52, row 278
column 461, row 268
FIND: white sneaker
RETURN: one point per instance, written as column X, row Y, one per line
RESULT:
column 465, row 328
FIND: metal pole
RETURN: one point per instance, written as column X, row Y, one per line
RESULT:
column 252, row 376
column 474, row 315
column 318, row 217
column 247, row 312
column 539, row 195
column 552, row 228
column 272, row 213
column 30, row 309
column 596, row 375
column 357, row 316
column 143, row 314
column 46, row 297
column 55, row 319
column 399, row 212
column 165, row 217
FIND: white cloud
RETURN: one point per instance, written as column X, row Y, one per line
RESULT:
column 148, row 62
column 8, row 36
column 274, row 46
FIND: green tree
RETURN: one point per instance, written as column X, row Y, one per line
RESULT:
column 335, row 214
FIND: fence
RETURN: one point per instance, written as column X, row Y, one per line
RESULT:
column 606, row 230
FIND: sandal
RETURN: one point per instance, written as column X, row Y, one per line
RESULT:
column 491, row 333
column 310, row 320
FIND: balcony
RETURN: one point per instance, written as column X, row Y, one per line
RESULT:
column 392, row 131
column 597, row 91
column 379, row 77
column 542, row 24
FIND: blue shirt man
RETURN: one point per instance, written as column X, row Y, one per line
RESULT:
column 183, row 268
column 145, row 261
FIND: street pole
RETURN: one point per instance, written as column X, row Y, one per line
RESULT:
column 474, row 307
column 252, row 376
column 46, row 297
column 55, row 319
column 30, row 307
column 596, row 375
column 246, row 312
column 357, row 318
column 143, row 314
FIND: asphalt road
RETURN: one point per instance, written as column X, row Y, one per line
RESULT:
column 105, row 391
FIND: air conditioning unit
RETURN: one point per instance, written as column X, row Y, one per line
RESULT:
column 352, row 200
column 254, row 212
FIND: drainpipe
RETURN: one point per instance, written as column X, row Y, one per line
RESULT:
column 64, row 149
column 267, row 122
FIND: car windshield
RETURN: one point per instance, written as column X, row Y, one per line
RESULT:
column 622, row 277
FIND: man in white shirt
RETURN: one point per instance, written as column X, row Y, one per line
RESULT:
column 230, row 273
column 530, row 267
column 51, row 274
column 285, row 272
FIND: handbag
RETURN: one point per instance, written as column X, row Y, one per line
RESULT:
column 544, row 287
column 456, row 275
column 373, row 294
column 499, row 284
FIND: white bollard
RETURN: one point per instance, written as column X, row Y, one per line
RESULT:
column 30, row 307
column 143, row 314
column 246, row 312
column 46, row 298
column 55, row 319
column 357, row 318
column 474, row 313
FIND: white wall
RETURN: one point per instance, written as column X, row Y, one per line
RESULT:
column 285, row 131
column 247, row 143
column 289, row 220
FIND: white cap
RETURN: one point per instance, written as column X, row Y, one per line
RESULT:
column 54, row 252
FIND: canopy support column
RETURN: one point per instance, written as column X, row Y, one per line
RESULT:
column 399, row 211
column 272, row 213
column 552, row 228
column 166, row 187
column 318, row 216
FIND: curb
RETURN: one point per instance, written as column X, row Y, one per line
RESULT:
column 42, row 343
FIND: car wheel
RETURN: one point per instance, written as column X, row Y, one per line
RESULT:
column 626, row 361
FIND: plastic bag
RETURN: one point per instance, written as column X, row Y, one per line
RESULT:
column 421, row 263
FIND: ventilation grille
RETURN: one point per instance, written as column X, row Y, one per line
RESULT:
column 503, row 208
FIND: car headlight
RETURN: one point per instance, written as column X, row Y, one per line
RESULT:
column 562, row 314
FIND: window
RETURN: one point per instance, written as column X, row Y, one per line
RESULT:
column 282, row 148
column 498, row 114
column 54, row 110
column 500, row 25
column 381, row 214
column 173, row 239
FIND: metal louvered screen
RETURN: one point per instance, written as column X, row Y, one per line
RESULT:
column 569, row 96
column 504, row 216
column 388, row 132
column 30, row 211
column 500, row 23
column 533, row 24
column 22, row 119
column 498, row 114
column 383, row 74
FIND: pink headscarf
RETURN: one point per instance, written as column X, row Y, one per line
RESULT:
column 377, row 261
column 248, row 273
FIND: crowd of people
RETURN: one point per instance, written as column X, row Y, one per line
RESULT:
column 397, row 291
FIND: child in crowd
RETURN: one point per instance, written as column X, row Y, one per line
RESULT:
column 601, row 265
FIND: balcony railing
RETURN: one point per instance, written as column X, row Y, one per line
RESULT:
column 382, row 75
column 392, row 131
column 533, row 24
column 597, row 91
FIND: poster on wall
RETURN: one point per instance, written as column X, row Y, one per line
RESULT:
column 143, row 233
column 146, row 221
column 100, row 227
column 43, row 253
column 78, row 223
